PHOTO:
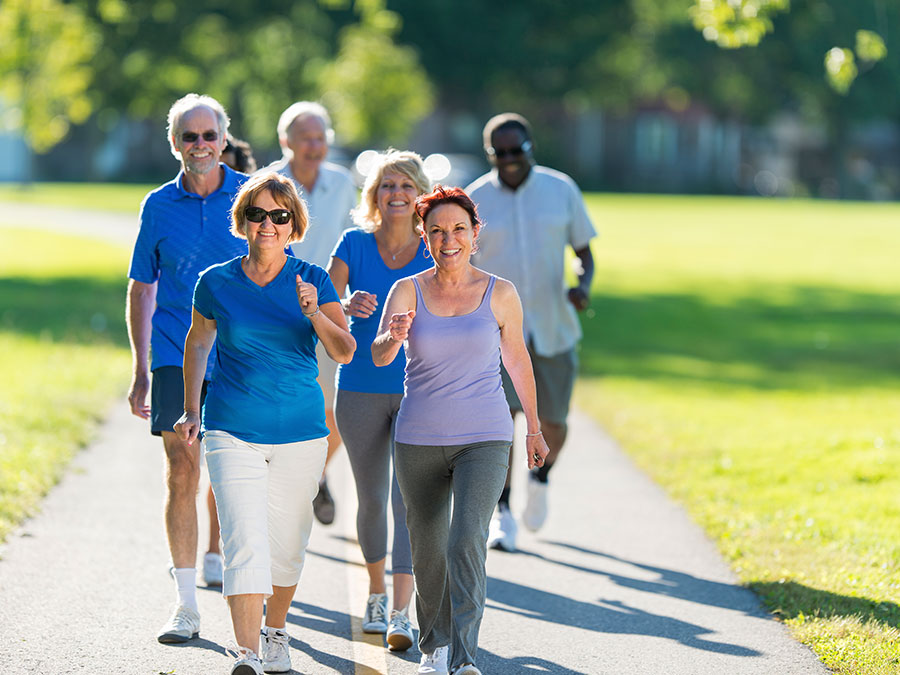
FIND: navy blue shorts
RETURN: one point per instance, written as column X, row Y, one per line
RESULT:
column 167, row 398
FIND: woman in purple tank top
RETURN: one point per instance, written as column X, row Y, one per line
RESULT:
column 454, row 429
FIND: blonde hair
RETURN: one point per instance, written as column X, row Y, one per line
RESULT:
column 285, row 195
column 406, row 162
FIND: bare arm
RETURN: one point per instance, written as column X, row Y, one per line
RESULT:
column 328, row 321
column 360, row 303
column 396, row 320
column 139, row 307
column 200, row 339
column 580, row 295
column 507, row 309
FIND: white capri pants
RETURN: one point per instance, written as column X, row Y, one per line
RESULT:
column 264, row 498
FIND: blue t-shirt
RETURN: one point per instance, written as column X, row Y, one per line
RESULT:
column 359, row 250
column 181, row 235
column 264, row 388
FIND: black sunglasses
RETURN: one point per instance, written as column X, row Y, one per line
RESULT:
column 512, row 152
column 192, row 136
column 256, row 214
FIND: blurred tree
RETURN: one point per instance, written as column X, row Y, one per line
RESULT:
column 375, row 89
column 45, row 69
column 256, row 60
column 140, row 55
column 736, row 23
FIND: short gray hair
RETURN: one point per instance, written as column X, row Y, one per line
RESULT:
column 190, row 102
column 304, row 109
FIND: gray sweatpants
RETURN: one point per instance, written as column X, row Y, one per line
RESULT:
column 366, row 423
column 449, row 550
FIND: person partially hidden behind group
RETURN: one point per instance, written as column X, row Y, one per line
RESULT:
column 263, row 421
column 454, row 429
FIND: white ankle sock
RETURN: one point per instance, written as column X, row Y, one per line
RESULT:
column 186, row 583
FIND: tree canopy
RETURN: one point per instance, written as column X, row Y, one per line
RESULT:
column 381, row 65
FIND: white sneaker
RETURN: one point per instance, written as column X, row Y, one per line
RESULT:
column 375, row 617
column 535, row 513
column 276, row 652
column 247, row 663
column 466, row 669
column 502, row 530
column 183, row 625
column 212, row 569
column 399, row 634
column 435, row 662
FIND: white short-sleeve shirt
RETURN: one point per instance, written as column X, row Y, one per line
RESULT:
column 523, row 240
column 330, row 202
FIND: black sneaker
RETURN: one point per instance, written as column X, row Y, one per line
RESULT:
column 323, row 505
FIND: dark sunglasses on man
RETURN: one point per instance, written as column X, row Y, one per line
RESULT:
column 511, row 152
column 192, row 136
column 256, row 214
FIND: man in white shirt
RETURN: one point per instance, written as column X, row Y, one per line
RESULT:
column 304, row 132
column 531, row 213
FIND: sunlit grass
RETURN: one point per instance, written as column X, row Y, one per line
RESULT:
column 63, row 355
column 745, row 353
column 121, row 197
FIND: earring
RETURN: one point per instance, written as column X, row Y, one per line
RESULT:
column 426, row 253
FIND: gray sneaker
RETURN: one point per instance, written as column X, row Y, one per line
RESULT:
column 399, row 634
column 276, row 652
column 375, row 617
column 183, row 625
column 323, row 505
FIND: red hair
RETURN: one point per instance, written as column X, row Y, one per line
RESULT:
column 425, row 204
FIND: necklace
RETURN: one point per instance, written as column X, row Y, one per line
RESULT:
column 399, row 250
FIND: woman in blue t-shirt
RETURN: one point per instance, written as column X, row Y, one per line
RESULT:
column 367, row 260
column 263, row 421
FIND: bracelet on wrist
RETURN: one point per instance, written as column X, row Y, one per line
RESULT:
column 311, row 314
column 539, row 433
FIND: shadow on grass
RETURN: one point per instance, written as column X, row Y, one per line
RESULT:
column 789, row 600
column 792, row 337
column 66, row 309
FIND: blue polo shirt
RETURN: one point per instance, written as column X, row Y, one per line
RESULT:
column 263, row 388
column 181, row 235
column 368, row 272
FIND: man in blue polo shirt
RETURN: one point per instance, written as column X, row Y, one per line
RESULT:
column 185, row 228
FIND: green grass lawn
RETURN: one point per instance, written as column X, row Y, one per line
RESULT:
column 63, row 354
column 745, row 353
column 121, row 197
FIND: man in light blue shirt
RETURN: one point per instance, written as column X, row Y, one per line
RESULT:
column 185, row 228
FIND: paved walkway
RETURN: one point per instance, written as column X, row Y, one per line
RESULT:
column 618, row 582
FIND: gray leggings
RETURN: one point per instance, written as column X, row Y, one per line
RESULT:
column 449, row 551
column 366, row 423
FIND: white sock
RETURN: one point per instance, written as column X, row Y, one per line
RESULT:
column 186, row 583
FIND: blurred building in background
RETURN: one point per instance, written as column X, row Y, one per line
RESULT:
column 650, row 150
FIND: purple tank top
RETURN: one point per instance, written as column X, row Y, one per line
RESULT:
column 452, row 390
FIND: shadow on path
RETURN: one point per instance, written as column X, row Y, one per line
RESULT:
column 790, row 599
column 670, row 583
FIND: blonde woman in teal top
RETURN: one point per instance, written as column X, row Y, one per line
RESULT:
column 367, row 261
